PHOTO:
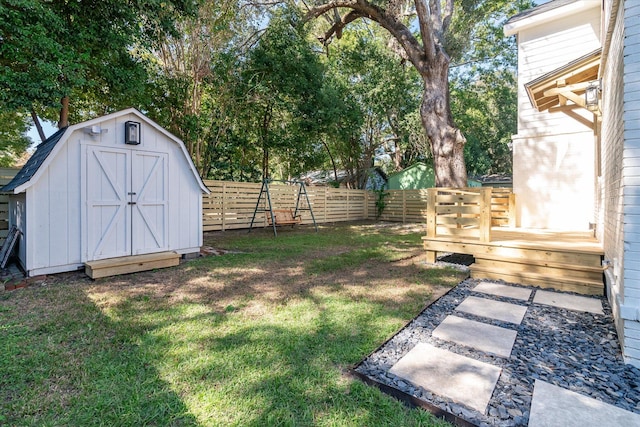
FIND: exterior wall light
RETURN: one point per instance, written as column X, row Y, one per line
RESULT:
column 132, row 133
column 592, row 96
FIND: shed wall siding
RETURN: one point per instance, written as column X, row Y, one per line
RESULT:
column 54, row 211
column 56, row 239
column 631, row 181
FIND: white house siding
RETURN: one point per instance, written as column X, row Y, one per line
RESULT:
column 611, row 231
column 552, row 192
column 630, row 311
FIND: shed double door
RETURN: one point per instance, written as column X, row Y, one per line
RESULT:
column 127, row 206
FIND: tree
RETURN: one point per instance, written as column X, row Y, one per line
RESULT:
column 445, row 31
column 382, row 90
column 483, row 92
column 285, row 98
column 193, row 72
column 52, row 51
column 429, row 57
column 13, row 139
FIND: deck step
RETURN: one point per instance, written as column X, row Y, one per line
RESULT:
column 130, row 264
column 567, row 283
column 586, row 271
column 515, row 251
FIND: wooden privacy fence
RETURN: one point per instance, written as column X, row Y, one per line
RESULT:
column 231, row 204
column 6, row 174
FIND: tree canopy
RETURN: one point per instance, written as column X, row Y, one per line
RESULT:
column 252, row 91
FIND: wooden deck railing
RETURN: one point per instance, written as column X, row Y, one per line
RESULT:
column 467, row 213
column 459, row 212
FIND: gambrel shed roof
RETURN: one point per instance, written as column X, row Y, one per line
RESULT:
column 35, row 161
column 46, row 150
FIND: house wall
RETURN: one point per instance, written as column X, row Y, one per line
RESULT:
column 553, row 153
column 55, row 239
column 611, row 227
column 622, row 177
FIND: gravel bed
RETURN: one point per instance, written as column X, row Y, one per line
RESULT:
column 574, row 350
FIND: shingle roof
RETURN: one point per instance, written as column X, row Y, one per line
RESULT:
column 33, row 164
column 553, row 4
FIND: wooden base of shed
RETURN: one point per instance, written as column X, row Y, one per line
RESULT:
column 130, row 264
column 568, row 262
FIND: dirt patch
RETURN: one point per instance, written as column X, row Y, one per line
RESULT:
column 253, row 285
column 220, row 279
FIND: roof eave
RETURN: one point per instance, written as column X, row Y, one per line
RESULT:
column 519, row 25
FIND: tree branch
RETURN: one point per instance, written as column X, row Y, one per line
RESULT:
column 426, row 29
column 446, row 17
column 38, row 125
column 338, row 25
column 364, row 9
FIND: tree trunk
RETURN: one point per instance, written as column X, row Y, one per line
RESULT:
column 64, row 113
column 447, row 142
column 265, row 162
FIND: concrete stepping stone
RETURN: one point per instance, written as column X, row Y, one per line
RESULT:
column 478, row 335
column 503, row 290
column 459, row 378
column 570, row 302
column 555, row 406
column 498, row 310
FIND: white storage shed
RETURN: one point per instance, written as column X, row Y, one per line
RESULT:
column 115, row 186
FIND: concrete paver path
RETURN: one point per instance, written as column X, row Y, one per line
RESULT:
column 447, row 374
column 503, row 290
column 498, row 310
column 554, row 406
column 570, row 302
column 478, row 335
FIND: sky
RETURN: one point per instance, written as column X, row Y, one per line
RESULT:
column 49, row 129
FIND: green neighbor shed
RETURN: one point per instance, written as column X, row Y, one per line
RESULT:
column 415, row 177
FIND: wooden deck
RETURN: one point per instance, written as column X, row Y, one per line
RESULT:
column 561, row 260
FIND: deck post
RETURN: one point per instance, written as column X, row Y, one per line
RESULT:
column 485, row 214
column 512, row 210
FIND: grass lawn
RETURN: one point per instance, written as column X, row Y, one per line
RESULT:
column 261, row 336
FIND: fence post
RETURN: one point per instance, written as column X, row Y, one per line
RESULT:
column 432, row 195
column 224, row 205
column 485, row 214
column 431, row 211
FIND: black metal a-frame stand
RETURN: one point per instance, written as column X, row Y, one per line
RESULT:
column 264, row 192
